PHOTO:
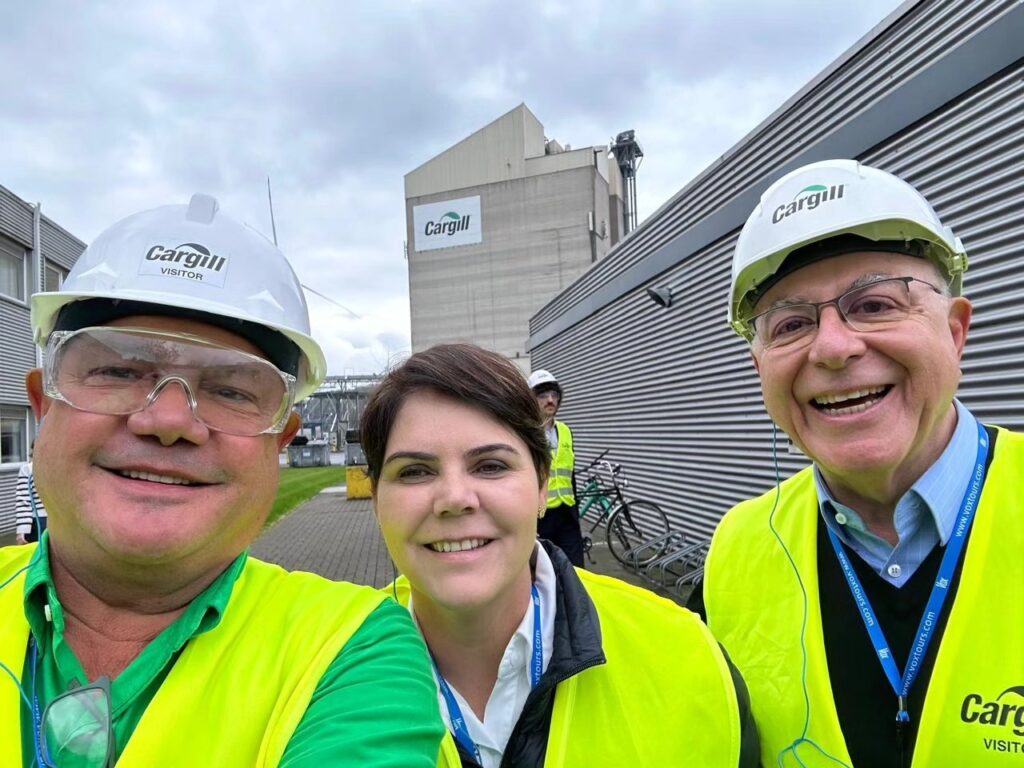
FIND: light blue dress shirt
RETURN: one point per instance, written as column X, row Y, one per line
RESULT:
column 924, row 516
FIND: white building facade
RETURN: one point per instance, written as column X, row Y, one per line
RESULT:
column 500, row 223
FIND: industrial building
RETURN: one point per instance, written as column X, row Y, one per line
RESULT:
column 933, row 94
column 35, row 255
column 501, row 222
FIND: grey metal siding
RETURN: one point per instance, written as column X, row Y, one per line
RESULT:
column 58, row 245
column 967, row 160
column 917, row 39
column 8, row 481
column 673, row 391
column 15, row 217
column 18, row 354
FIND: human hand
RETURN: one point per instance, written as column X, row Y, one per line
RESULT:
column 20, row 539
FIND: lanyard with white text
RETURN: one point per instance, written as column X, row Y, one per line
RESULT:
column 954, row 547
column 459, row 727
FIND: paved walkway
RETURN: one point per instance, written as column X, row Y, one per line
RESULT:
column 339, row 539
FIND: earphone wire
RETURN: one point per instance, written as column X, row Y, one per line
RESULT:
column 802, row 739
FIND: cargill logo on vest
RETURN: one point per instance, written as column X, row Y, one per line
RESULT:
column 1005, row 712
column 449, row 224
column 807, row 199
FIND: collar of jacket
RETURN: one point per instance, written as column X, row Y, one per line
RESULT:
column 577, row 641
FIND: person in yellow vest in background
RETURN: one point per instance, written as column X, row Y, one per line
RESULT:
column 537, row 664
column 138, row 631
column 561, row 523
column 872, row 602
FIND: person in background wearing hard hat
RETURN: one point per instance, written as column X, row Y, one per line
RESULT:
column 872, row 601
column 537, row 663
column 138, row 631
column 561, row 523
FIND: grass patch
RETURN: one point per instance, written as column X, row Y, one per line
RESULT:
column 301, row 484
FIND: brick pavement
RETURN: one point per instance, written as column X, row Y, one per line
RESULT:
column 339, row 539
column 332, row 536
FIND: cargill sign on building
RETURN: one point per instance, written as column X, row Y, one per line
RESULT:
column 447, row 224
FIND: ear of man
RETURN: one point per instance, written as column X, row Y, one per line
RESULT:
column 290, row 430
column 960, row 313
column 34, row 388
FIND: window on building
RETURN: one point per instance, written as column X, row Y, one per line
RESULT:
column 53, row 276
column 13, row 434
column 12, row 273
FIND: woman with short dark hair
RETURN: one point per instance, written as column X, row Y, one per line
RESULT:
column 536, row 663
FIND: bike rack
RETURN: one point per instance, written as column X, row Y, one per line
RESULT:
column 662, row 543
column 690, row 556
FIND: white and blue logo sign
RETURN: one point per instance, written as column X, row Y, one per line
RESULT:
column 447, row 224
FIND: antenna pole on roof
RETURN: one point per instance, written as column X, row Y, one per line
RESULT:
column 270, row 200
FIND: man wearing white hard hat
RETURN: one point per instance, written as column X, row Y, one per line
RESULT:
column 561, row 521
column 139, row 631
column 872, row 602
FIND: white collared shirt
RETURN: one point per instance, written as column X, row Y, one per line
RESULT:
column 512, row 687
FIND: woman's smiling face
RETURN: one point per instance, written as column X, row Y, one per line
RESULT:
column 457, row 500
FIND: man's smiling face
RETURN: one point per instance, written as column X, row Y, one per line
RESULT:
column 156, row 486
column 875, row 402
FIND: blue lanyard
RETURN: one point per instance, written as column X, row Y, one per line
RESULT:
column 536, row 667
column 37, row 716
column 954, row 547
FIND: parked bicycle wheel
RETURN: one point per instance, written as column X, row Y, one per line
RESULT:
column 638, row 521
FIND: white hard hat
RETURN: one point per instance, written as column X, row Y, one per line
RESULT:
column 540, row 376
column 827, row 199
column 194, row 259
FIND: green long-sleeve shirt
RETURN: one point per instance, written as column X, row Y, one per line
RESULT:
column 375, row 707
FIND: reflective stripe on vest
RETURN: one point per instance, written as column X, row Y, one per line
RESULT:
column 640, row 708
column 562, row 464
column 976, row 691
column 255, row 671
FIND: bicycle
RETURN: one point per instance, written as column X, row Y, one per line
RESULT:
column 628, row 524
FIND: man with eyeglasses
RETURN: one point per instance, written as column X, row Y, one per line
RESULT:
column 560, row 523
column 139, row 631
column 872, row 601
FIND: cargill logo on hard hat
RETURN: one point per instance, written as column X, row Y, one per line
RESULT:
column 807, row 199
column 196, row 262
column 449, row 224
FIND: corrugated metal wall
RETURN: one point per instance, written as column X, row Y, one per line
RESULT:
column 18, row 352
column 673, row 391
column 15, row 217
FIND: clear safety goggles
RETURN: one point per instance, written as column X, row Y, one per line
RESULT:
column 119, row 371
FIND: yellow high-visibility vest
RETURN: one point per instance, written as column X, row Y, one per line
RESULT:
column 974, row 707
column 236, row 693
column 665, row 697
column 562, row 463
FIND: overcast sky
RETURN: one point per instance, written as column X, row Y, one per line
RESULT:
column 110, row 108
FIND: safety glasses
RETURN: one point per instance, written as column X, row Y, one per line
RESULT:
column 119, row 371
column 76, row 728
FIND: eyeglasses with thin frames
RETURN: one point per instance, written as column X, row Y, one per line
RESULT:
column 76, row 729
column 870, row 307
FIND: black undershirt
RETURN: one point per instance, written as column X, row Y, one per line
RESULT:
column 864, row 699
